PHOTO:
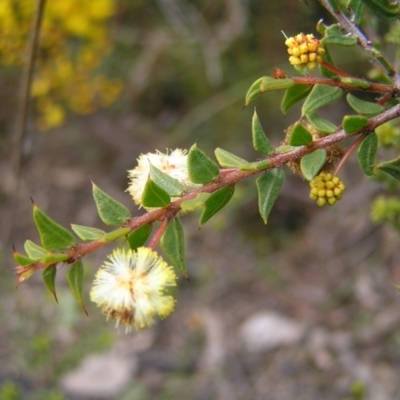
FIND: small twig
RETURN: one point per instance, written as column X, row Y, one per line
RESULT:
column 26, row 85
column 334, row 69
column 22, row 114
column 157, row 236
column 366, row 44
column 348, row 153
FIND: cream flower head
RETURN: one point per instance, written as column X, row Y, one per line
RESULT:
column 130, row 288
column 173, row 164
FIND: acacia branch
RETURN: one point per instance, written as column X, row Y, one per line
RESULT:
column 227, row 177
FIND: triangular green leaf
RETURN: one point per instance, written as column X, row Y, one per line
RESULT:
column 172, row 186
column 391, row 167
column 300, row 136
column 215, row 202
column 268, row 187
column 311, row 163
column 21, row 259
column 173, row 244
column 334, row 35
column 321, row 124
column 196, row 203
column 264, row 84
column 320, row 96
column 75, row 280
column 139, row 236
column 269, row 83
column 367, row 152
column 293, row 95
column 87, row 233
column 229, row 160
column 363, row 107
column 34, row 251
column 260, row 140
column 201, row 168
column 49, row 277
column 52, row 235
column 111, row 211
column 155, row 196
column 352, row 123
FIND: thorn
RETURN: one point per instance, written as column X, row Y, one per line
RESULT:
column 33, row 203
column 186, row 276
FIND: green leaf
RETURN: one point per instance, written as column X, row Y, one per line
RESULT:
column 54, row 258
column 229, row 160
column 256, row 165
column 201, row 168
column 357, row 8
column 21, row 259
column 139, row 236
column 321, row 124
column 300, row 136
column 155, row 196
column 333, row 35
column 367, row 152
column 352, row 123
column 49, row 277
column 264, row 84
column 111, row 211
column 260, row 140
column 87, row 233
column 216, row 202
column 269, row 83
column 319, row 97
column 196, row 203
column 293, row 95
column 75, row 280
column 268, row 187
column 361, row 83
column 311, row 163
column 173, row 244
column 172, row 186
column 34, row 251
column 253, row 92
column 392, row 168
column 384, row 9
column 363, row 107
column 52, row 235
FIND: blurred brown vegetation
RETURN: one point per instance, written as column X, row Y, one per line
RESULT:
column 186, row 66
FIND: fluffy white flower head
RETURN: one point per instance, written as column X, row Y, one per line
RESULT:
column 173, row 164
column 130, row 287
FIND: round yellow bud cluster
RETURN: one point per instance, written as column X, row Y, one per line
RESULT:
column 326, row 189
column 304, row 50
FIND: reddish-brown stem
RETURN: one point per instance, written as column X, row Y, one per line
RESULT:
column 157, row 236
column 373, row 87
column 334, row 69
column 348, row 153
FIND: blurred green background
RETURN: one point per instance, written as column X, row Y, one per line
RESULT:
column 184, row 68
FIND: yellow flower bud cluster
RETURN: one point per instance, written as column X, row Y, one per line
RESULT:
column 304, row 50
column 326, row 189
column 73, row 44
